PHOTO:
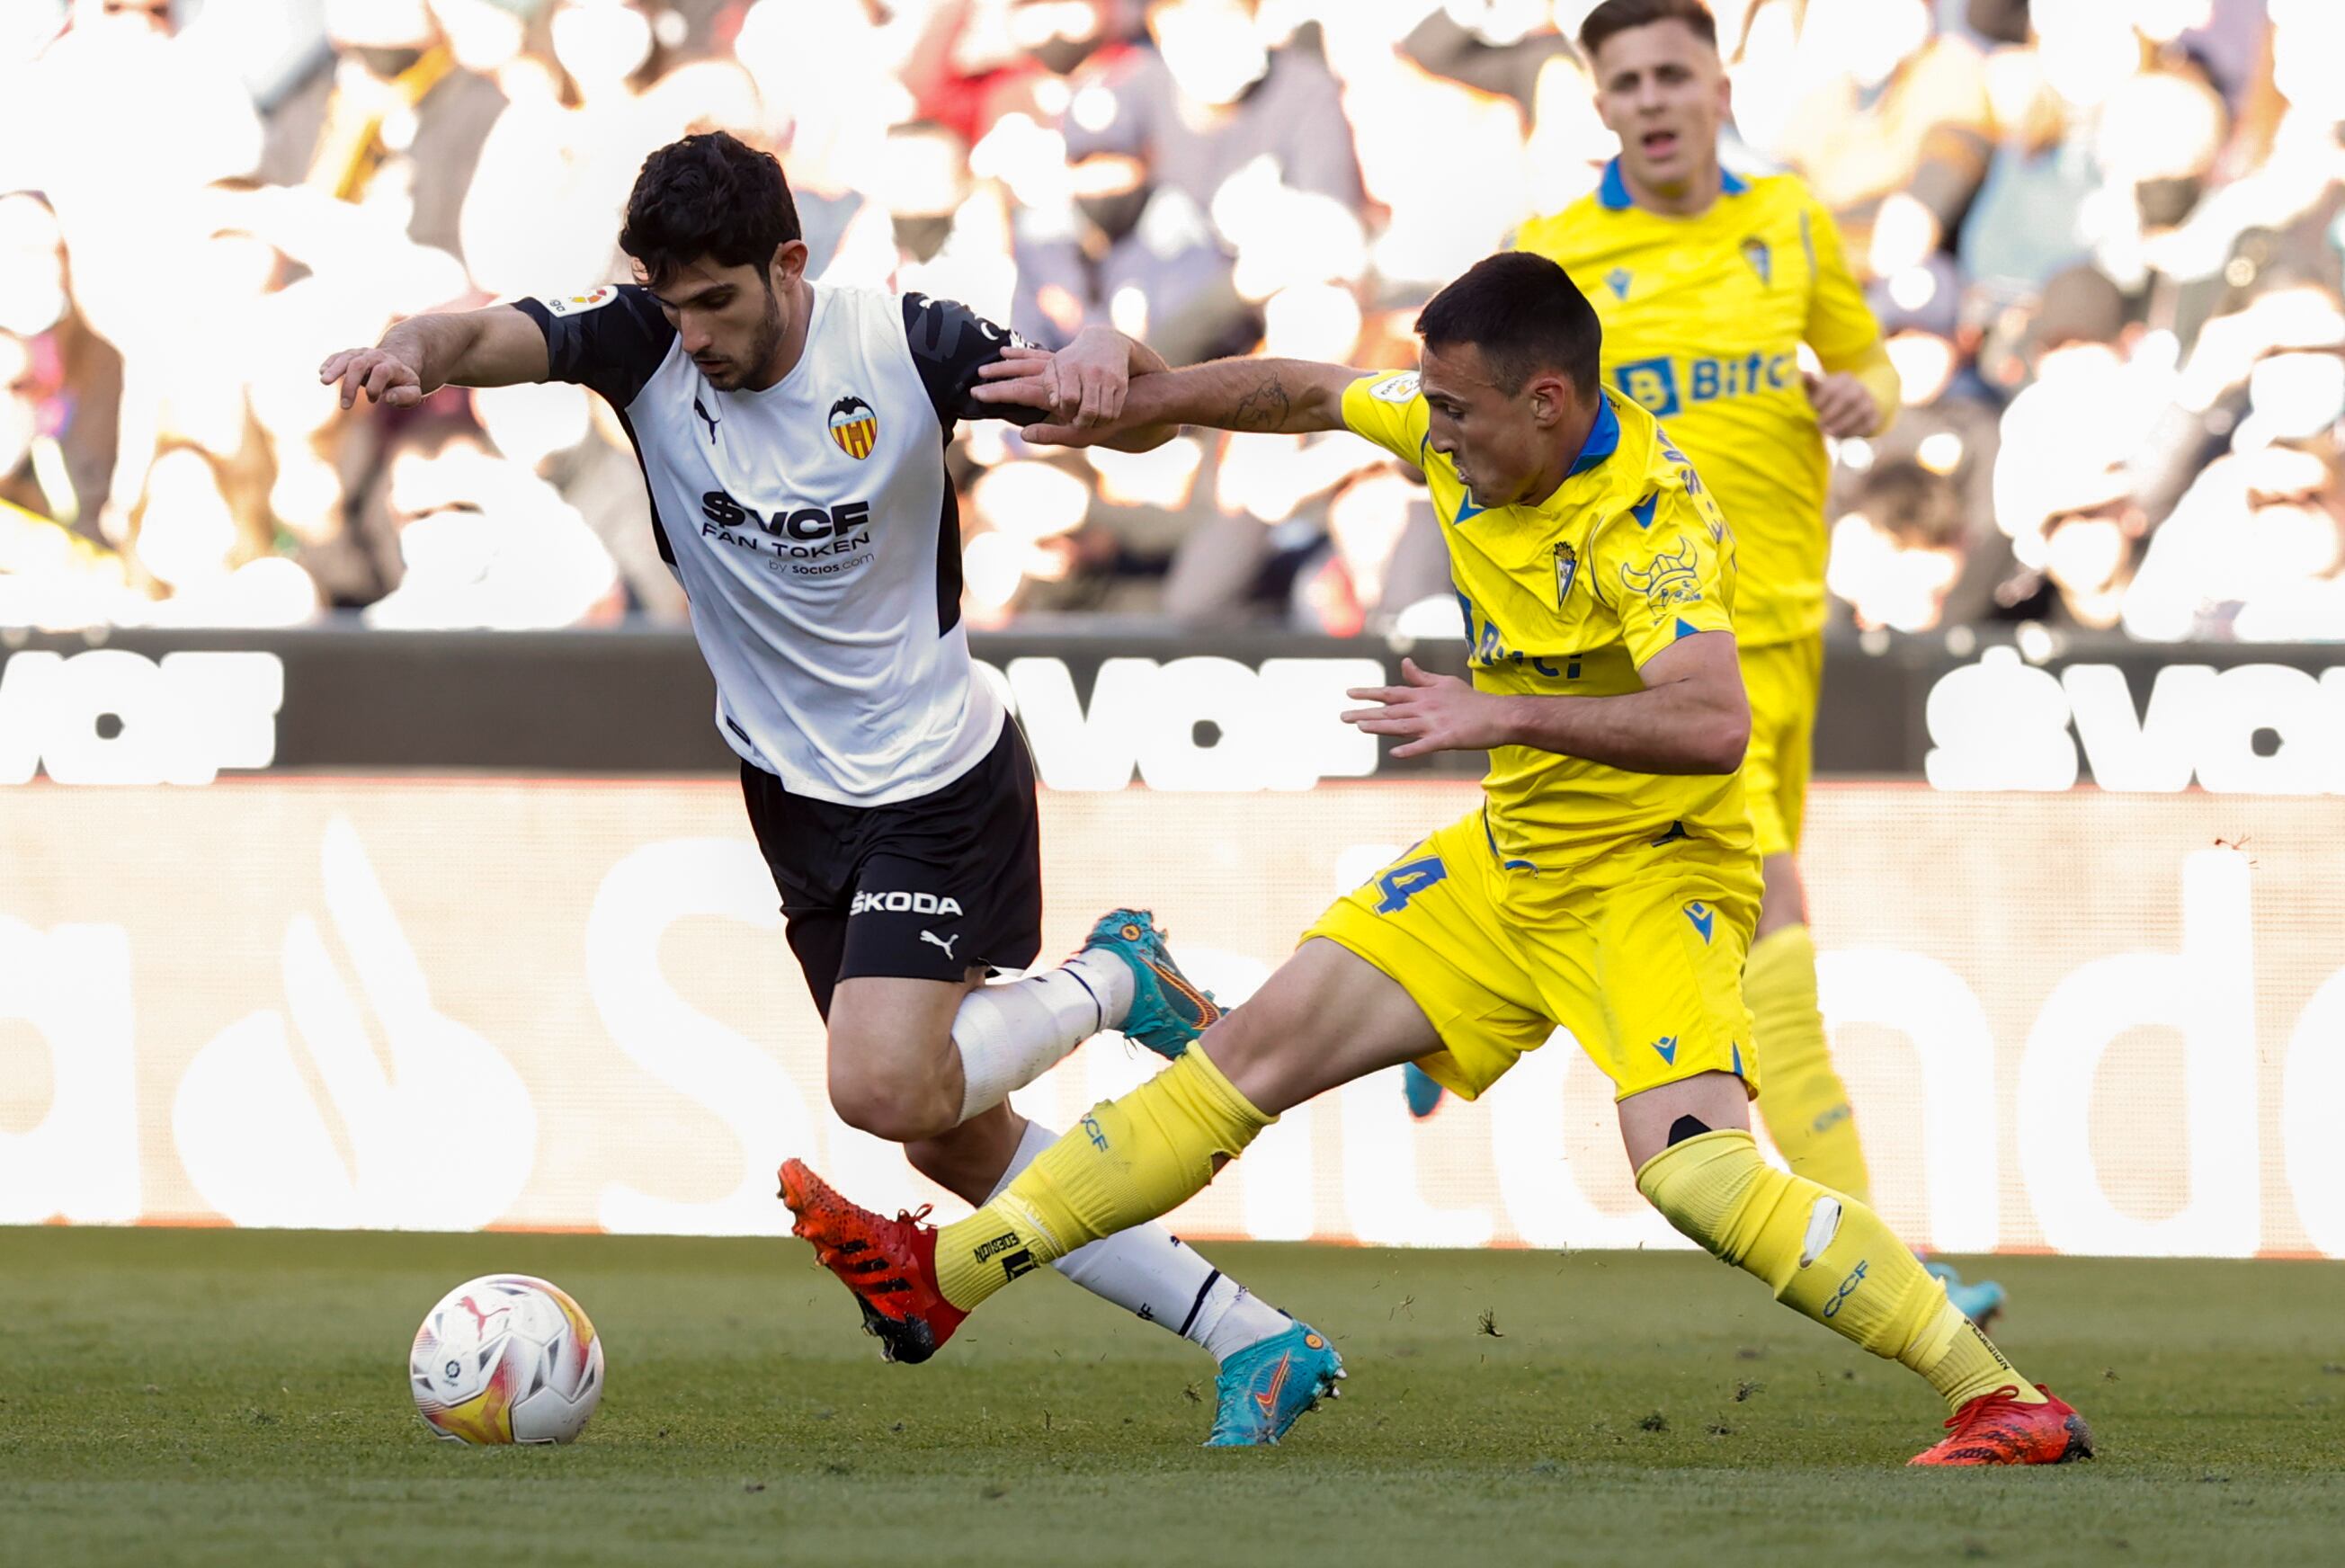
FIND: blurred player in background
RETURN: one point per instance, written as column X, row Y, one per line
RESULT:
column 1608, row 884
column 1707, row 285
column 792, row 436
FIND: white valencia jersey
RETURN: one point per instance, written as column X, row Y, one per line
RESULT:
column 812, row 528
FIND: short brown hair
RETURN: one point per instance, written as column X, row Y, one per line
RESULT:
column 1616, row 16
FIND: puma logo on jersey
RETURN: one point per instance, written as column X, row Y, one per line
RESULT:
column 704, row 414
column 945, row 943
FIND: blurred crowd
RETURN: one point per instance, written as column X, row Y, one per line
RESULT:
column 2104, row 237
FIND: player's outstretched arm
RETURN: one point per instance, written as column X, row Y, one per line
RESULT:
column 1083, row 384
column 1281, row 395
column 496, row 346
column 1691, row 717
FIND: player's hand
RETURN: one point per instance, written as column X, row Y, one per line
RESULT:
column 1093, row 372
column 1431, row 713
column 1024, row 377
column 1029, row 377
column 1081, row 385
column 1843, row 408
column 384, row 376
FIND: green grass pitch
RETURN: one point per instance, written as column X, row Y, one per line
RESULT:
column 216, row 1397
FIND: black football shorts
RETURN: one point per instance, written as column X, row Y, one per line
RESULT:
column 927, row 888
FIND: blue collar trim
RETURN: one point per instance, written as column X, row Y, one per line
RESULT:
column 1603, row 438
column 1613, row 193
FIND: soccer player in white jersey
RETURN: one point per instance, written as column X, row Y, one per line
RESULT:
column 792, row 436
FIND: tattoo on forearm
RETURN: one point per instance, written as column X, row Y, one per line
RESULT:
column 1263, row 408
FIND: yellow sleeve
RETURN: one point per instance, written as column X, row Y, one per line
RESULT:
column 1669, row 578
column 1840, row 328
column 1387, row 409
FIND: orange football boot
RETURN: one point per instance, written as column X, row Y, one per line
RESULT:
column 890, row 1264
column 1996, row 1429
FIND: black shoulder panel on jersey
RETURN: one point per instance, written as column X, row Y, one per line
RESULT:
column 950, row 343
column 612, row 345
column 659, row 528
column 949, row 562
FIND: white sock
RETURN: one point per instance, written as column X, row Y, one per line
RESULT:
column 1148, row 1272
column 1108, row 980
column 1012, row 1033
column 1232, row 1317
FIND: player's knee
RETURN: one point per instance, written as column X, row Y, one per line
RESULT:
column 898, row 1108
column 1250, row 1050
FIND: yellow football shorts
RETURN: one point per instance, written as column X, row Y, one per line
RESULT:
column 1639, row 955
column 1785, row 681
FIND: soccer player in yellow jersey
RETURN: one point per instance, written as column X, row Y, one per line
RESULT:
column 1707, row 285
column 1608, row 883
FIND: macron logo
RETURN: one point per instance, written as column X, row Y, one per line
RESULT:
column 1667, row 1046
column 1703, row 917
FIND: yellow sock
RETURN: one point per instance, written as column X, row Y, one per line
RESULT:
column 1827, row 1257
column 1800, row 1095
column 1130, row 1161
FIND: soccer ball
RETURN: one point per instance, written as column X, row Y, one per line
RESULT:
column 506, row 1359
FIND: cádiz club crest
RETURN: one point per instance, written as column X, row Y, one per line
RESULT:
column 855, row 426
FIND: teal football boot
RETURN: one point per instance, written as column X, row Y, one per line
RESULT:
column 1425, row 1095
column 1167, row 1012
column 1266, row 1388
column 1979, row 1302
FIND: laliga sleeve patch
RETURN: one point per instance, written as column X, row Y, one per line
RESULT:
column 579, row 304
column 1399, row 388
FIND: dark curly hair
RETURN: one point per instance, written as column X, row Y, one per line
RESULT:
column 709, row 196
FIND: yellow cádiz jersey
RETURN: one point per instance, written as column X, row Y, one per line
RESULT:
column 1703, row 317
column 1568, row 599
